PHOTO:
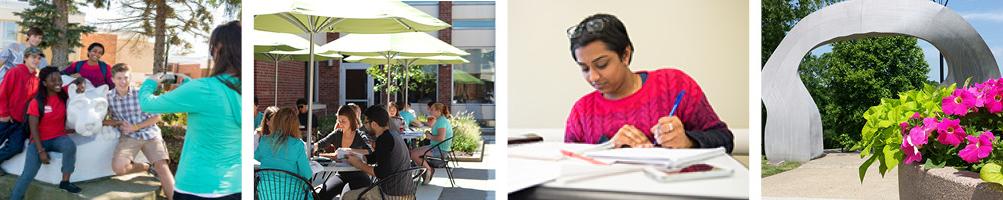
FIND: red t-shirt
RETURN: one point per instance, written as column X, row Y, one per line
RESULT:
column 53, row 123
column 595, row 118
column 92, row 73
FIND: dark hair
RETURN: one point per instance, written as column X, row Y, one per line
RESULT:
column 300, row 102
column 255, row 100
column 377, row 114
column 400, row 105
column 95, row 45
column 601, row 27
column 226, row 37
column 42, row 95
column 34, row 31
column 349, row 112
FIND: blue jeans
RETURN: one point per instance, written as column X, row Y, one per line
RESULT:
column 12, row 136
column 61, row 144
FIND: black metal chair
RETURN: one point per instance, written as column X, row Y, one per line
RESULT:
column 442, row 161
column 390, row 189
column 280, row 184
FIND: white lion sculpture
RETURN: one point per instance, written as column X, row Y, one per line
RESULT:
column 95, row 143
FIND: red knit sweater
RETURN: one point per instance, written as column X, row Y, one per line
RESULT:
column 595, row 119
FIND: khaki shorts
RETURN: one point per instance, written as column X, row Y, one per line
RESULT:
column 154, row 150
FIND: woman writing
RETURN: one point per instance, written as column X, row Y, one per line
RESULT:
column 635, row 109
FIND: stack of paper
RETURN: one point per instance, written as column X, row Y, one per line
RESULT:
column 672, row 158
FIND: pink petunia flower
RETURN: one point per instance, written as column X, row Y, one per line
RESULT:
column 959, row 103
column 994, row 100
column 950, row 132
column 978, row 148
column 911, row 143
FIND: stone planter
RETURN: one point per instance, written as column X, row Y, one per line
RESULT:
column 944, row 183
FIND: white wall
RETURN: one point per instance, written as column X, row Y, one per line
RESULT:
column 706, row 39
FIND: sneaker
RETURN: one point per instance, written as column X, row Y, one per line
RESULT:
column 69, row 187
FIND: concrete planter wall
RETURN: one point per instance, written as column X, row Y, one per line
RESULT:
column 944, row 183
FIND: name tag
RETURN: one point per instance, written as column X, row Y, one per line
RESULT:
column 48, row 109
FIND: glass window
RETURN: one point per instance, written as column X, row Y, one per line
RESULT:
column 474, row 82
column 8, row 31
column 424, row 89
column 474, row 24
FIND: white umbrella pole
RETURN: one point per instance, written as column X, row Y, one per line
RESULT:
column 309, row 108
column 275, row 93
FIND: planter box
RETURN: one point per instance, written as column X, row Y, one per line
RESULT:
column 944, row 183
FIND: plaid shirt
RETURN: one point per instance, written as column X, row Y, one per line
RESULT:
column 126, row 108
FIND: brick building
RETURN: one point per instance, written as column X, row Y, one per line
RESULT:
column 339, row 83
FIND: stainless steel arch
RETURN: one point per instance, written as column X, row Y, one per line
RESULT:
column 794, row 127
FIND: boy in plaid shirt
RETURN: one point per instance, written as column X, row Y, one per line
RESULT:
column 139, row 132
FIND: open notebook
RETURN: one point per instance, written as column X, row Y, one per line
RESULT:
column 672, row 158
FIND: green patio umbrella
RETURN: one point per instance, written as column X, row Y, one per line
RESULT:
column 390, row 46
column 466, row 78
column 348, row 16
column 408, row 61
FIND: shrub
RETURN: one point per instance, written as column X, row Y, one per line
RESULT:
column 466, row 132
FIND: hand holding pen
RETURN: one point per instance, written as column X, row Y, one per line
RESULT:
column 669, row 131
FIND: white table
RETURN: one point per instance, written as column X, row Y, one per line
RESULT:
column 410, row 135
column 534, row 178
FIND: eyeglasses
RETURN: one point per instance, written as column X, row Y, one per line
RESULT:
column 591, row 26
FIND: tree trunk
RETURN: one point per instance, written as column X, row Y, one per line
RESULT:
column 160, row 36
column 60, row 49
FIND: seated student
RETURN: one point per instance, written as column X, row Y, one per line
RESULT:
column 441, row 130
column 389, row 156
column 264, row 129
column 16, row 91
column 345, row 135
column 139, row 130
column 14, row 54
column 396, row 121
column 632, row 109
column 283, row 149
column 407, row 115
column 93, row 69
column 301, row 105
column 47, row 124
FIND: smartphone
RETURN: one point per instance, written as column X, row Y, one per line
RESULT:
column 692, row 172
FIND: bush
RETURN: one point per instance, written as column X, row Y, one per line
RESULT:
column 174, row 119
column 466, row 132
column 174, row 138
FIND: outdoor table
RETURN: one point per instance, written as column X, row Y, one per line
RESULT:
column 411, row 138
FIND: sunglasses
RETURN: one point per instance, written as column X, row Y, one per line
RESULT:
column 591, row 26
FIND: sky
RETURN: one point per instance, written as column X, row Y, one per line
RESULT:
column 200, row 46
column 986, row 16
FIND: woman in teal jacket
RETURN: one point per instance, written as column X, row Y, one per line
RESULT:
column 210, row 159
column 283, row 150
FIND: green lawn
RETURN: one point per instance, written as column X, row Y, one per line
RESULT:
column 770, row 169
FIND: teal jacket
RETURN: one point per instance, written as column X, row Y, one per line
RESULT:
column 210, row 158
column 289, row 156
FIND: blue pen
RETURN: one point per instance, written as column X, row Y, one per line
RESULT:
column 679, row 98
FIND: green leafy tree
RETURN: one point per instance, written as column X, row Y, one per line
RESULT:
column 855, row 76
column 53, row 18
column 165, row 21
column 417, row 80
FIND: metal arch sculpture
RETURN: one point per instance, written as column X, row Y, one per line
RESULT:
column 794, row 127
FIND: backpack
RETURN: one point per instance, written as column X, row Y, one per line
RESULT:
column 104, row 69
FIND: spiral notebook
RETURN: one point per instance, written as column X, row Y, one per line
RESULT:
column 672, row 158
